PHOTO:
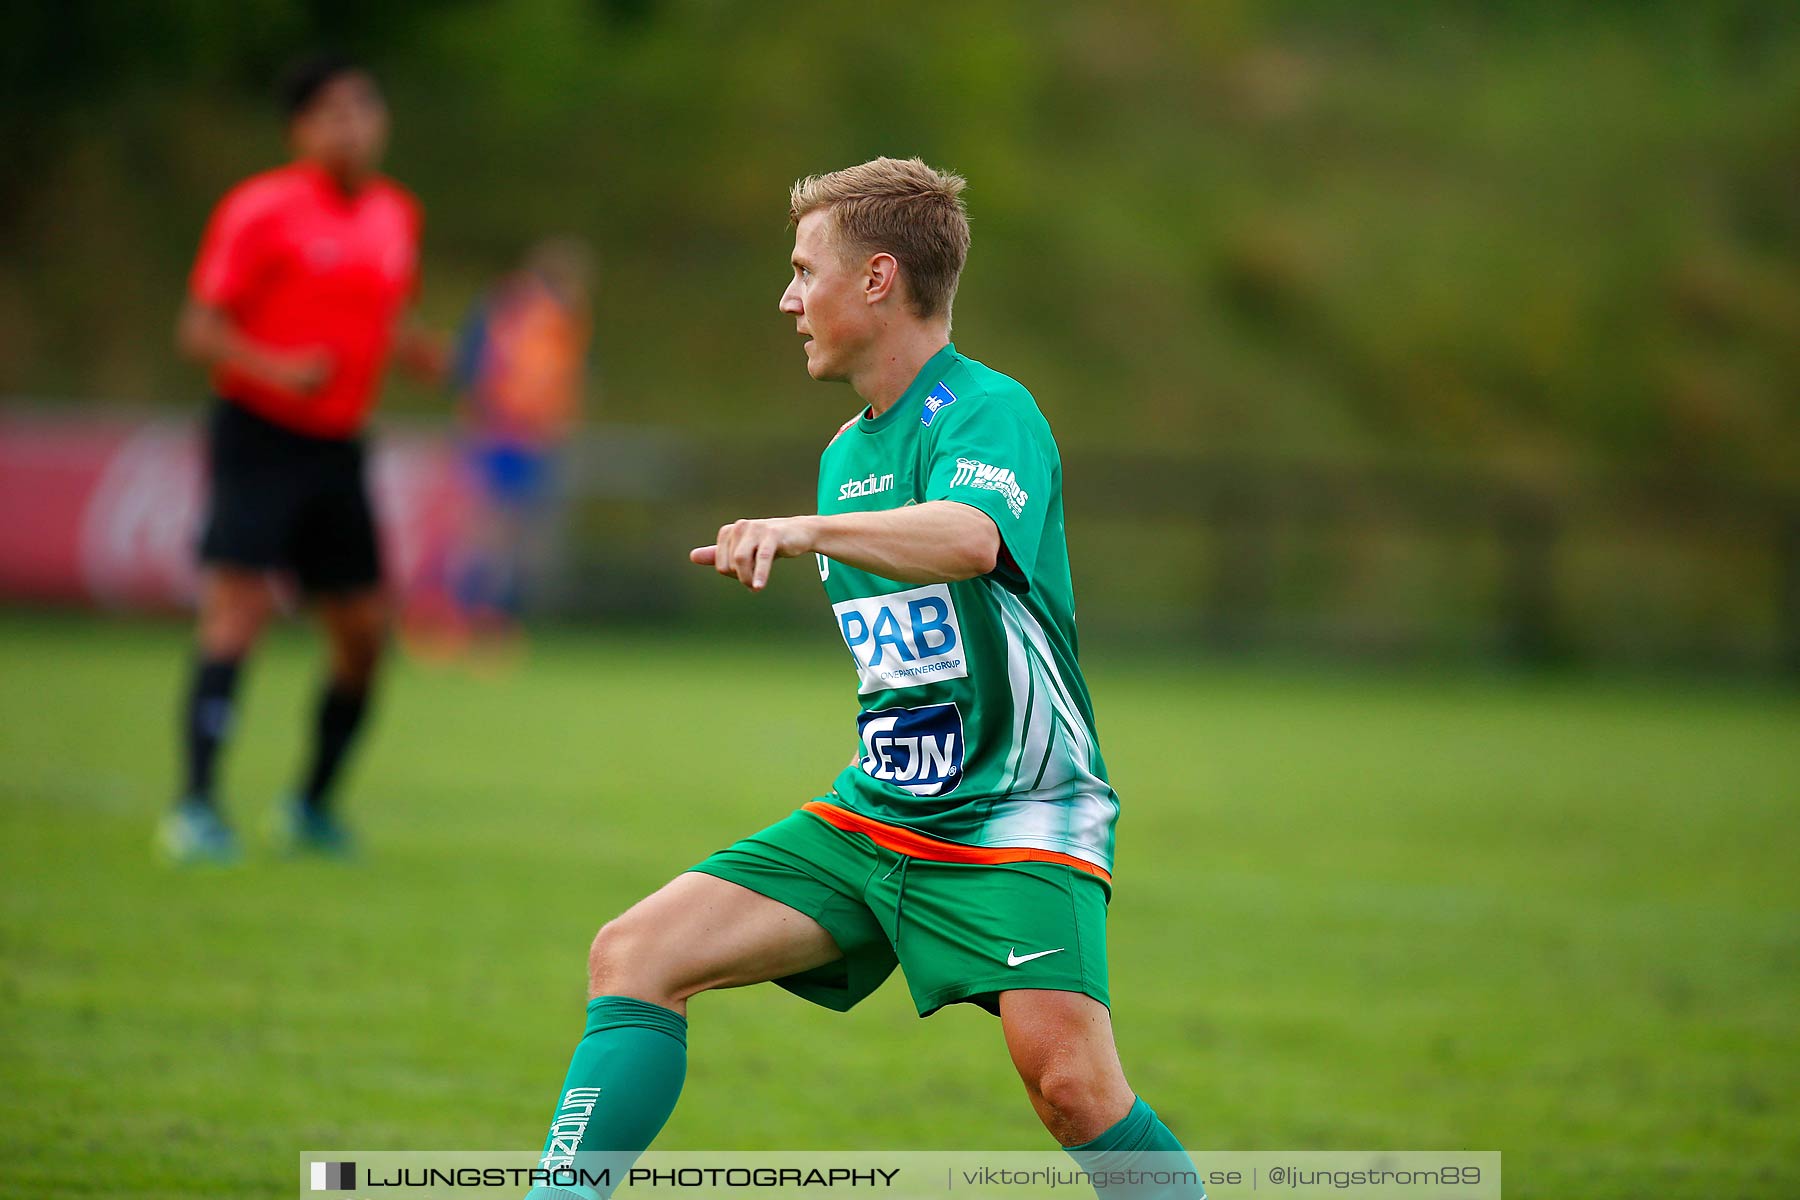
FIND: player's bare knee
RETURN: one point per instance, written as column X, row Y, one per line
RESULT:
column 1058, row 1086
column 1071, row 1099
column 606, row 959
column 622, row 962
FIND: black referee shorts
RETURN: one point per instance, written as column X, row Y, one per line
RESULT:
column 284, row 501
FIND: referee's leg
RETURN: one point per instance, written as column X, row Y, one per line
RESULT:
column 355, row 625
column 235, row 605
column 337, row 556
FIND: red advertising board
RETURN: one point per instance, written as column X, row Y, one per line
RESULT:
column 106, row 510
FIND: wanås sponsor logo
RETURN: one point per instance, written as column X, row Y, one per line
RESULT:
column 975, row 474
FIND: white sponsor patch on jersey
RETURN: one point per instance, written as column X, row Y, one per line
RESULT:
column 903, row 639
column 970, row 473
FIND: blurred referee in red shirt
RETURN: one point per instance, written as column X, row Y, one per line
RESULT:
column 296, row 301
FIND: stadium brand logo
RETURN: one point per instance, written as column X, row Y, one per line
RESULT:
column 871, row 485
column 970, row 473
column 570, row 1123
column 903, row 639
column 919, row 750
column 940, row 398
column 333, row 1176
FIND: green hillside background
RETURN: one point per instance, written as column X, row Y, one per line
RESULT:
column 1552, row 246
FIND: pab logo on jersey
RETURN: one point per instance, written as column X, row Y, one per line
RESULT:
column 903, row 639
column 919, row 750
column 970, row 473
column 940, row 398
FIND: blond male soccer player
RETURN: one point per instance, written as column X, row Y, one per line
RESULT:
column 971, row 842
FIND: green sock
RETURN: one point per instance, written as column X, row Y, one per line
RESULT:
column 621, row 1087
column 1139, row 1142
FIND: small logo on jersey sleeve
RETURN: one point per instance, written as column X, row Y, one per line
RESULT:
column 940, row 398
column 971, row 473
column 903, row 639
column 919, row 750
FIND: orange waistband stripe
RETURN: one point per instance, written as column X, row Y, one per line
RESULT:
column 914, row 844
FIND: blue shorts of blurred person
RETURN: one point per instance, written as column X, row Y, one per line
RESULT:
column 513, row 474
column 521, row 369
column 515, row 489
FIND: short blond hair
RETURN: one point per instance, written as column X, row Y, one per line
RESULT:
column 900, row 207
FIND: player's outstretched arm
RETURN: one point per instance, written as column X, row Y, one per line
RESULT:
column 940, row 541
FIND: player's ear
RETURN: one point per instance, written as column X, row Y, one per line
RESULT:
column 881, row 277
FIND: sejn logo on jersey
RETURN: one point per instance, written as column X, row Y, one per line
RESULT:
column 903, row 639
column 919, row 750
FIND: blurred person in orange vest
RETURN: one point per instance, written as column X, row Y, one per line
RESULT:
column 521, row 369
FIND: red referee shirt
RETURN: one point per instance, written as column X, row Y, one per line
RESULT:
column 298, row 264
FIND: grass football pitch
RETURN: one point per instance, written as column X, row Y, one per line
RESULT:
column 1555, row 918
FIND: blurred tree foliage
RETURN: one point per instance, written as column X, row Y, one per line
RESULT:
column 1533, row 234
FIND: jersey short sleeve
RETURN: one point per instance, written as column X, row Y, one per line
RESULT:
column 987, row 454
column 234, row 249
column 415, row 228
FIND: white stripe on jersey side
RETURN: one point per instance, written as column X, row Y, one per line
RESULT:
column 1063, row 804
column 1046, row 662
column 1018, row 678
column 1022, row 815
column 1095, row 806
column 1040, row 737
column 1033, row 716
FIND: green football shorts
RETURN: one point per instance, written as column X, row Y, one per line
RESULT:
column 959, row 931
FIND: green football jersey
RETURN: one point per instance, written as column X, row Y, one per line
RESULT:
column 975, row 724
